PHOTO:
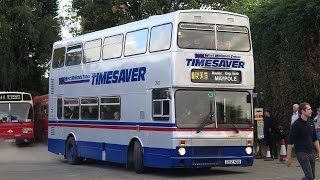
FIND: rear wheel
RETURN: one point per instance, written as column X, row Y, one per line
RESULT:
column 138, row 157
column 72, row 152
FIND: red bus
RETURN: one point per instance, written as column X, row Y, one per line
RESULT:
column 40, row 104
column 16, row 117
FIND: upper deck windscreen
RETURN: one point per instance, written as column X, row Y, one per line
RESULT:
column 213, row 37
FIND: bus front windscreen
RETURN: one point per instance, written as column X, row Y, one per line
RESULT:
column 15, row 112
column 226, row 109
column 213, row 37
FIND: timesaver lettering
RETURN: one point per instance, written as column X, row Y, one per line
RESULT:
column 119, row 76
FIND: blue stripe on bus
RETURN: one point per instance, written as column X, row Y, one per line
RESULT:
column 159, row 157
column 112, row 123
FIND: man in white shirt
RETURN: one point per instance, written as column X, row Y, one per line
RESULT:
column 295, row 114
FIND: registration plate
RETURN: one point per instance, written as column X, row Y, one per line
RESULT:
column 10, row 140
column 232, row 161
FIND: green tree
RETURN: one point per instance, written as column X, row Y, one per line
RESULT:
column 100, row 14
column 286, row 39
column 27, row 30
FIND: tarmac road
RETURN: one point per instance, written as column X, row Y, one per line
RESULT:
column 34, row 162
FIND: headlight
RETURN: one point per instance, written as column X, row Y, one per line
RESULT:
column 182, row 151
column 248, row 150
column 27, row 130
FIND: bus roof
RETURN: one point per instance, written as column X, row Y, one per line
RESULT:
column 13, row 92
column 42, row 98
column 157, row 19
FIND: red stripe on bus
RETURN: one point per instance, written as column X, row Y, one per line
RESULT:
column 144, row 128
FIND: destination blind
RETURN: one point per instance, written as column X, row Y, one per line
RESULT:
column 10, row 97
column 215, row 76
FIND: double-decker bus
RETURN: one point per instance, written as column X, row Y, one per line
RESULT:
column 40, row 104
column 16, row 117
column 169, row 91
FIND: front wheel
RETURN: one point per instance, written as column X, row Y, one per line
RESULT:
column 138, row 157
column 72, row 152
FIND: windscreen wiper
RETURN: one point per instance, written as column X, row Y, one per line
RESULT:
column 209, row 119
column 236, row 128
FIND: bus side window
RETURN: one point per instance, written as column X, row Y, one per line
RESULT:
column 74, row 55
column 58, row 57
column 161, row 104
column 59, row 108
column 89, row 109
column 112, row 47
column 43, row 110
column 110, row 108
column 160, row 38
column 136, row 42
column 91, row 51
column 71, row 108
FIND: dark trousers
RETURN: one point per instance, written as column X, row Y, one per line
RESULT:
column 272, row 143
column 307, row 163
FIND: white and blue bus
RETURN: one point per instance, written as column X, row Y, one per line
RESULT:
column 170, row 91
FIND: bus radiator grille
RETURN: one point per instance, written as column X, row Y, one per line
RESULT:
column 207, row 151
column 207, row 162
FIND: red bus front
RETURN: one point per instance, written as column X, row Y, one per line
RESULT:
column 16, row 121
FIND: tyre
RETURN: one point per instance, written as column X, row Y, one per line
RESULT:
column 21, row 143
column 138, row 157
column 72, row 151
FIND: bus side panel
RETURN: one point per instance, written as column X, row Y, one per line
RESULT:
column 56, row 146
column 159, row 157
column 90, row 150
column 116, row 153
column 95, row 150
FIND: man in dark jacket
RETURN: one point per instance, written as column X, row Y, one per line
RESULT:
column 303, row 136
column 271, row 131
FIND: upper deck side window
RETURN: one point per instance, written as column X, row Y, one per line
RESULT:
column 112, row 47
column 58, row 57
column 136, row 42
column 74, row 55
column 160, row 38
column 91, row 51
column 233, row 38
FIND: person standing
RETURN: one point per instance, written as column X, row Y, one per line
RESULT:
column 295, row 114
column 271, row 131
column 303, row 137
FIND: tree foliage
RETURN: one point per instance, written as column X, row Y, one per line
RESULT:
column 101, row 14
column 27, row 30
column 286, row 38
